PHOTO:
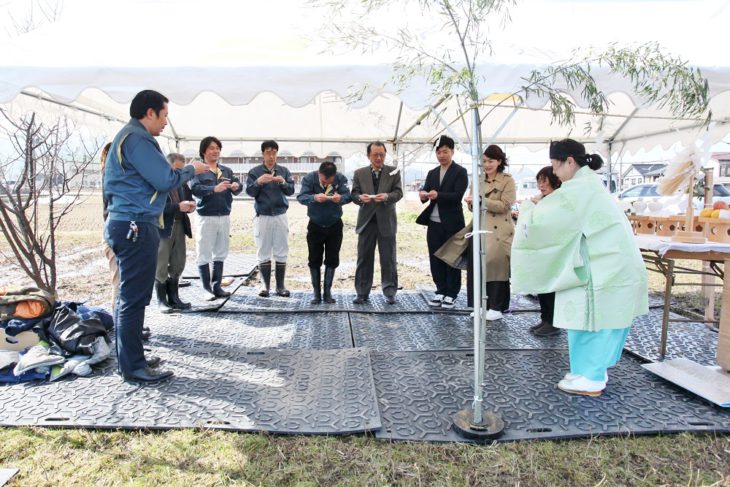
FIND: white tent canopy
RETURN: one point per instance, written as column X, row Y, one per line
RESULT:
column 245, row 73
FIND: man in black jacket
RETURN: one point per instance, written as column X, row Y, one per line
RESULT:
column 444, row 188
column 171, row 252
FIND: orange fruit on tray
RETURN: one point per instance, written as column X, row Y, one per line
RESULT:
column 720, row 205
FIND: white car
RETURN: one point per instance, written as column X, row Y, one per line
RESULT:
column 648, row 192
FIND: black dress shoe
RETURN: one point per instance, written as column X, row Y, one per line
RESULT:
column 360, row 300
column 147, row 374
column 390, row 299
column 152, row 362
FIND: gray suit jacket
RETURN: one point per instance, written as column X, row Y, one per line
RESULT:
column 362, row 183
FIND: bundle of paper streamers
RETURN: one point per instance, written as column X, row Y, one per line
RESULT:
column 677, row 175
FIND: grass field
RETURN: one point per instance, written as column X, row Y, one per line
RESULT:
column 200, row 457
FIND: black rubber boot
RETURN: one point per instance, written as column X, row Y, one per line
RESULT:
column 161, row 291
column 217, row 279
column 173, row 298
column 204, row 271
column 316, row 274
column 329, row 277
column 281, row 290
column 265, row 274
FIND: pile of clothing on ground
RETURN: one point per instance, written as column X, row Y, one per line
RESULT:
column 41, row 338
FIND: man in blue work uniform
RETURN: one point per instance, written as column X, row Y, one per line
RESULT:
column 323, row 193
column 269, row 184
column 137, row 179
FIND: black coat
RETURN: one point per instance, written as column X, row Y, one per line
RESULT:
column 450, row 192
column 168, row 215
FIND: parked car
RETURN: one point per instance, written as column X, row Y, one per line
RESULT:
column 648, row 191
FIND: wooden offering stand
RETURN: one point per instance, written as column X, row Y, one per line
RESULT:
column 689, row 235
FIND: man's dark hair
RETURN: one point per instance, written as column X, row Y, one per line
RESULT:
column 144, row 100
column 444, row 140
column 328, row 169
column 269, row 144
column 378, row 144
column 205, row 143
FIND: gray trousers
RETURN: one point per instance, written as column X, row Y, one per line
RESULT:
column 366, row 242
column 171, row 255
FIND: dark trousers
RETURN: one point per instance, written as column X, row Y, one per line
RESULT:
column 325, row 241
column 446, row 278
column 137, row 263
column 547, row 307
column 498, row 295
column 366, row 242
column 498, row 292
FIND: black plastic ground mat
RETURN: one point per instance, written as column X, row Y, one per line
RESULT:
column 419, row 392
column 693, row 341
column 518, row 302
column 419, row 332
column 302, row 392
column 302, row 331
column 246, row 299
column 235, row 265
column 195, row 295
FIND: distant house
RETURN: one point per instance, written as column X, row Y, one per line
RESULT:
column 642, row 173
column 720, row 163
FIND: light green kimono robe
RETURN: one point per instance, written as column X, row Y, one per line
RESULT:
column 577, row 243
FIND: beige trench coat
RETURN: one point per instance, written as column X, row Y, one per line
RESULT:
column 498, row 197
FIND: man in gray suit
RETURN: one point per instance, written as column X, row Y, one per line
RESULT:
column 376, row 189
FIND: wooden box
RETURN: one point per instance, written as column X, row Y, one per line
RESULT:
column 718, row 229
column 666, row 226
column 645, row 224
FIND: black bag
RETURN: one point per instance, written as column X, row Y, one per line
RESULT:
column 68, row 334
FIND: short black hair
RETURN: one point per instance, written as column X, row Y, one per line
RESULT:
column 269, row 144
column 144, row 100
column 444, row 140
column 548, row 174
column 205, row 143
column 496, row 153
column 377, row 143
column 328, row 169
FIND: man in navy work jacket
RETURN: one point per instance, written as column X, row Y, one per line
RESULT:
column 323, row 193
column 269, row 184
column 137, row 179
column 444, row 216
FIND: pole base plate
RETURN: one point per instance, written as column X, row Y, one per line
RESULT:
column 491, row 427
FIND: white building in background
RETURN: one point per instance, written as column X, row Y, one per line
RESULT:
column 642, row 173
column 720, row 164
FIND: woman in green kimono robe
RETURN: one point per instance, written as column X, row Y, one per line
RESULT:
column 579, row 244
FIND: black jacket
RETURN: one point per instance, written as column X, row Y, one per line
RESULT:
column 171, row 209
column 450, row 192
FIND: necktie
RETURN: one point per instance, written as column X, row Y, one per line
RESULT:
column 376, row 180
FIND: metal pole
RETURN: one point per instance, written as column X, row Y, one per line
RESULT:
column 476, row 241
